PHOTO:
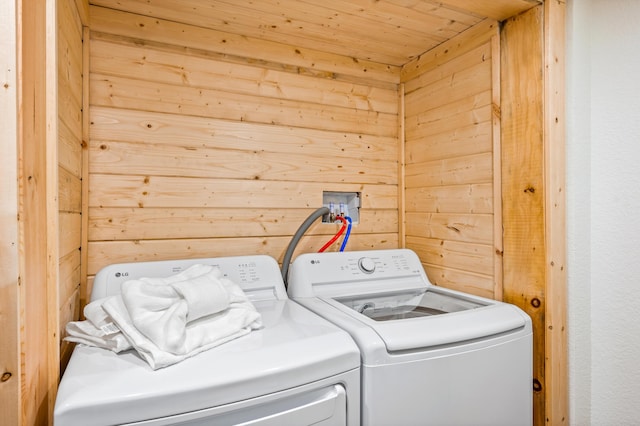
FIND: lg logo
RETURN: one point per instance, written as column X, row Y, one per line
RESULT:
column 122, row 274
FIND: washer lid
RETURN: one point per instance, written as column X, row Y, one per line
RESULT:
column 410, row 320
column 407, row 304
column 294, row 348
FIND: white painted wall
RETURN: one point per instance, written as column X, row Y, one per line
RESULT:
column 603, row 207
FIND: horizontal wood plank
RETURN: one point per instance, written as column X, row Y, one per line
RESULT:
column 452, row 171
column 156, row 97
column 70, row 96
column 304, row 25
column 496, row 9
column 471, row 228
column 474, row 258
column 480, row 285
column 69, row 232
column 114, row 124
column 165, row 160
column 173, row 223
column 342, row 27
column 161, row 191
column 69, row 270
column 473, row 125
column 165, row 31
column 451, row 88
column 69, row 128
column 439, row 9
column 69, row 192
column 69, row 66
column 466, row 41
column 70, row 310
column 471, row 111
column 155, row 65
column 69, row 149
column 471, row 198
column 457, row 64
column 104, row 253
column 457, row 142
column 398, row 17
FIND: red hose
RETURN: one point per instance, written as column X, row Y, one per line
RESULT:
column 335, row 237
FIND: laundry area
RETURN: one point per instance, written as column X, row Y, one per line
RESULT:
column 290, row 213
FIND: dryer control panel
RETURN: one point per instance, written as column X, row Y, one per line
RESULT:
column 258, row 275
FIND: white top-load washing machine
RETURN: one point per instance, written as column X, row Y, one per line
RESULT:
column 297, row 370
column 430, row 356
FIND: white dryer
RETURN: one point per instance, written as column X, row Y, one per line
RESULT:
column 430, row 356
column 298, row 370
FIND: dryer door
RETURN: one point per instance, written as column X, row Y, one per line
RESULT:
column 326, row 406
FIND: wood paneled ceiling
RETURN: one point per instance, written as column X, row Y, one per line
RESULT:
column 391, row 32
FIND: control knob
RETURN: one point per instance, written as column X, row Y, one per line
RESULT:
column 367, row 265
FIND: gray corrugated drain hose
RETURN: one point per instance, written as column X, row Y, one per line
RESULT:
column 296, row 239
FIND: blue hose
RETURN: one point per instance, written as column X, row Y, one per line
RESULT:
column 346, row 236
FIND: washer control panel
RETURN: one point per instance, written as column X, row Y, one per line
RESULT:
column 323, row 273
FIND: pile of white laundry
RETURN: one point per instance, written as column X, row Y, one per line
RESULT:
column 167, row 320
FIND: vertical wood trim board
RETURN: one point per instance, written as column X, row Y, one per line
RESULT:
column 86, row 35
column 55, row 240
column 38, row 210
column 497, row 168
column 71, row 98
column 10, row 384
column 33, row 236
column 523, row 185
column 451, row 113
column 206, row 151
column 556, row 386
column 401, row 170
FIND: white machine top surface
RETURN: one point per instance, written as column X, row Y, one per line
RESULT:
column 385, row 295
column 295, row 347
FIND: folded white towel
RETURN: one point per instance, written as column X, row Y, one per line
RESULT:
column 200, row 335
column 160, row 308
column 203, row 296
column 167, row 320
column 97, row 330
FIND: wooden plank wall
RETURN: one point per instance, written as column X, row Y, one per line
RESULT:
column 10, row 383
column 204, row 144
column 70, row 167
column 452, row 152
column 208, row 144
